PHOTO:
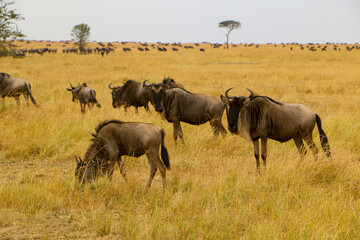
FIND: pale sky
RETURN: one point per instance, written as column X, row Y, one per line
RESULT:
column 263, row 21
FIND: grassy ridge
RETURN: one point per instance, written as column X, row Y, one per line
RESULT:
column 213, row 189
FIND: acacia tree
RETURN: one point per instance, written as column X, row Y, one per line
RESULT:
column 9, row 31
column 229, row 25
column 81, row 34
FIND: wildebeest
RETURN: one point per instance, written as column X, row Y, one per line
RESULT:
column 260, row 117
column 85, row 95
column 170, row 83
column 130, row 94
column 113, row 139
column 14, row 87
column 178, row 105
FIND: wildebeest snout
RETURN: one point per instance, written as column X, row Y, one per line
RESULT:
column 159, row 109
column 232, row 129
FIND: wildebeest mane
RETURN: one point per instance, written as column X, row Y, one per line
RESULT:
column 103, row 124
column 257, row 113
column 167, row 101
column 254, row 115
column 182, row 89
column 267, row 98
column 96, row 151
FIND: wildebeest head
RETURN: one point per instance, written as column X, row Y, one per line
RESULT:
column 95, row 161
column 157, row 91
column 168, row 81
column 235, row 106
column 75, row 90
column 4, row 75
column 116, row 95
column 83, row 170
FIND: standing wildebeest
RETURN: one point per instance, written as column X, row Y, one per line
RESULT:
column 113, row 139
column 130, row 94
column 178, row 105
column 14, row 87
column 85, row 95
column 260, row 117
column 170, row 83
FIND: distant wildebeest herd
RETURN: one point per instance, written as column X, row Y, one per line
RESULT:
column 102, row 48
column 254, row 118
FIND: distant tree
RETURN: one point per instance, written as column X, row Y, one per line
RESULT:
column 229, row 25
column 81, row 34
column 9, row 31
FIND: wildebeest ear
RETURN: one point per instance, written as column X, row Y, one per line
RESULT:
column 69, row 89
column 224, row 99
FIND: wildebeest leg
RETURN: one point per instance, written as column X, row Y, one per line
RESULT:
column 122, row 168
column 147, row 107
column 26, row 96
column 17, row 101
column 214, row 128
column 113, row 152
column 300, row 145
column 90, row 105
column 256, row 154
column 263, row 150
column 218, row 127
column 155, row 159
column 310, row 142
column 125, row 109
column 3, row 101
column 110, row 169
column 136, row 110
column 153, row 170
column 82, row 106
column 178, row 131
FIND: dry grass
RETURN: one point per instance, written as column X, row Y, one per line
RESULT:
column 213, row 190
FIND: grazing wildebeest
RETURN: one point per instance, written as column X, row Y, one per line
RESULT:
column 14, row 87
column 113, row 139
column 130, row 94
column 170, row 83
column 260, row 117
column 85, row 95
column 178, row 105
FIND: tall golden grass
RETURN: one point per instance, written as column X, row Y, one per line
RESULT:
column 214, row 191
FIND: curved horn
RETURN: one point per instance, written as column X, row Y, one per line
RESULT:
column 226, row 94
column 112, row 88
column 251, row 93
column 144, row 83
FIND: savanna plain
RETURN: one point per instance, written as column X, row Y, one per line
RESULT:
column 214, row 190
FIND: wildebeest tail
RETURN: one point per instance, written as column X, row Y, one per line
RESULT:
column 94, row 97
column 31, row 96
column 164, row 151
column 323, row 138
